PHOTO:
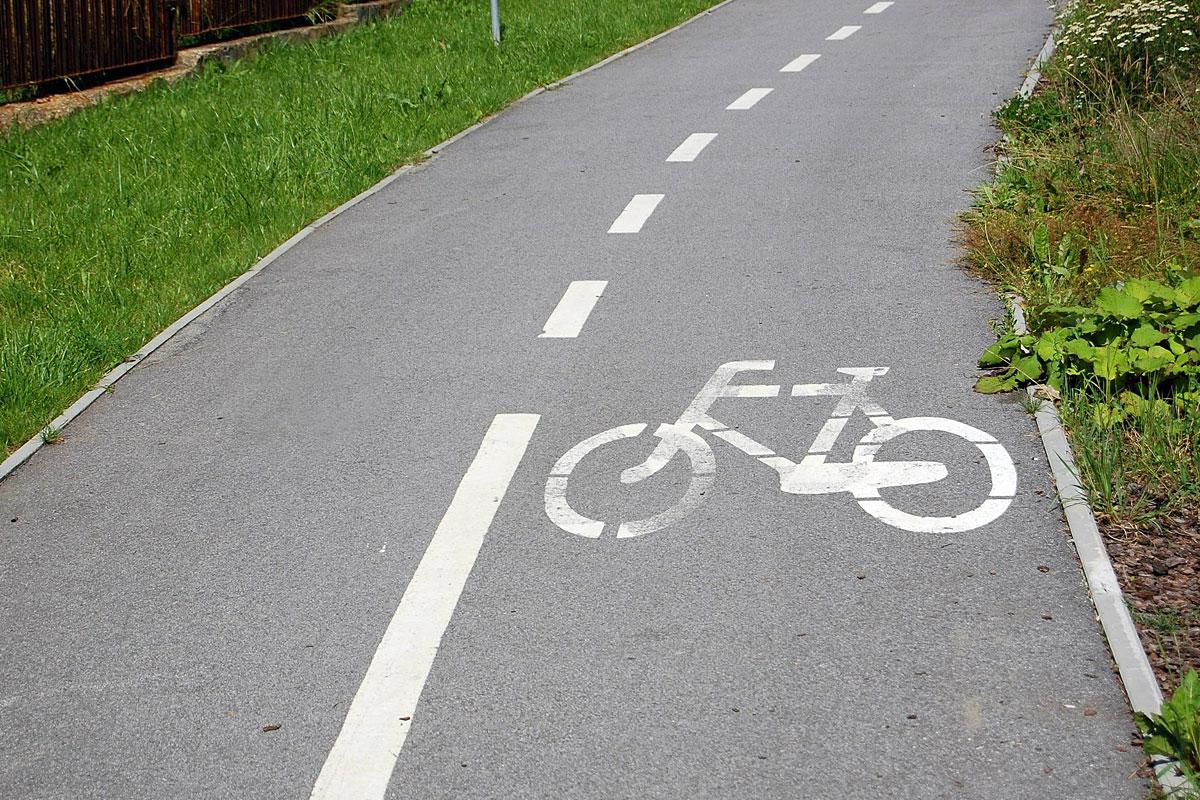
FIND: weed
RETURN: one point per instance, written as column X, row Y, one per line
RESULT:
column 1175, row 731
column 1138, row 457
column 1031, row 404
column 1164, row 623
column 323, row 11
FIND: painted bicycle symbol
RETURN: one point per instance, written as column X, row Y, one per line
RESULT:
column 863, row 476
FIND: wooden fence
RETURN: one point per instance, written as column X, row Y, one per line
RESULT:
column 48, row 40
column 41, row 40
column 201, row 16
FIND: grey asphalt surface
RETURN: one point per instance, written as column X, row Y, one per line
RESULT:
column 220, row 544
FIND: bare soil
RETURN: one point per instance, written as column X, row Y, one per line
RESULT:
column 1158, row 564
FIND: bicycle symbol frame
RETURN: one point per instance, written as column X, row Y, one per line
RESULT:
column 862, row 476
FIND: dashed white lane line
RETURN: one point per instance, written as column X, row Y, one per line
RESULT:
column 636, row 213
column 360, row 765
column 691, row 147
column 879, row 8
column 573, row 309
column 797, row 64
column 844, row 32
column 748, row 99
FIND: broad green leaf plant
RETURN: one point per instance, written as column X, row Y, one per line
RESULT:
column 1138, row 335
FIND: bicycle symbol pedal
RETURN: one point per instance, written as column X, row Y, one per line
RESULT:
column 862, row 476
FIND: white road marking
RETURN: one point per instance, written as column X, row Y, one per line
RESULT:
column 636, row 213
column 797, row 64
column 828, row 435
column 717, row 387
column 1000, row 466
column 844, row 32
column 566, row 321
column 557, row 507
column 360, row 764
column 862, row 477
column 691, row 147
column 879, row 8
column 744, row 443
column 748, row 99
column 676, row 439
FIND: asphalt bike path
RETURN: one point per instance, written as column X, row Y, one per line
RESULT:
column 535, row 475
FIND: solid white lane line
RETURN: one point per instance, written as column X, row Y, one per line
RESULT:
column 879, row 8
column 691, row 147
column 360, row 765
column 797, row 64
column 844, row 32
column 748, row 99
column 636, row 213
column 572, row 310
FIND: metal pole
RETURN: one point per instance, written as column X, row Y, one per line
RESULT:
column 496, row 21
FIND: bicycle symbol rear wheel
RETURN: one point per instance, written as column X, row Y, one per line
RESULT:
column 684, row 440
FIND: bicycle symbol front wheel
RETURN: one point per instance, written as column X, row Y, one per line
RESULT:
column 679, row 439
column 1000, row 468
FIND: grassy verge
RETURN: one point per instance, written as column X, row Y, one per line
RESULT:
column 116, row 220
column 1094, row 218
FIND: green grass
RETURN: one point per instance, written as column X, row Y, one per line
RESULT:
column 1114, row 187
column 115, row 221
column 1167, row 623
column 1138, row 464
